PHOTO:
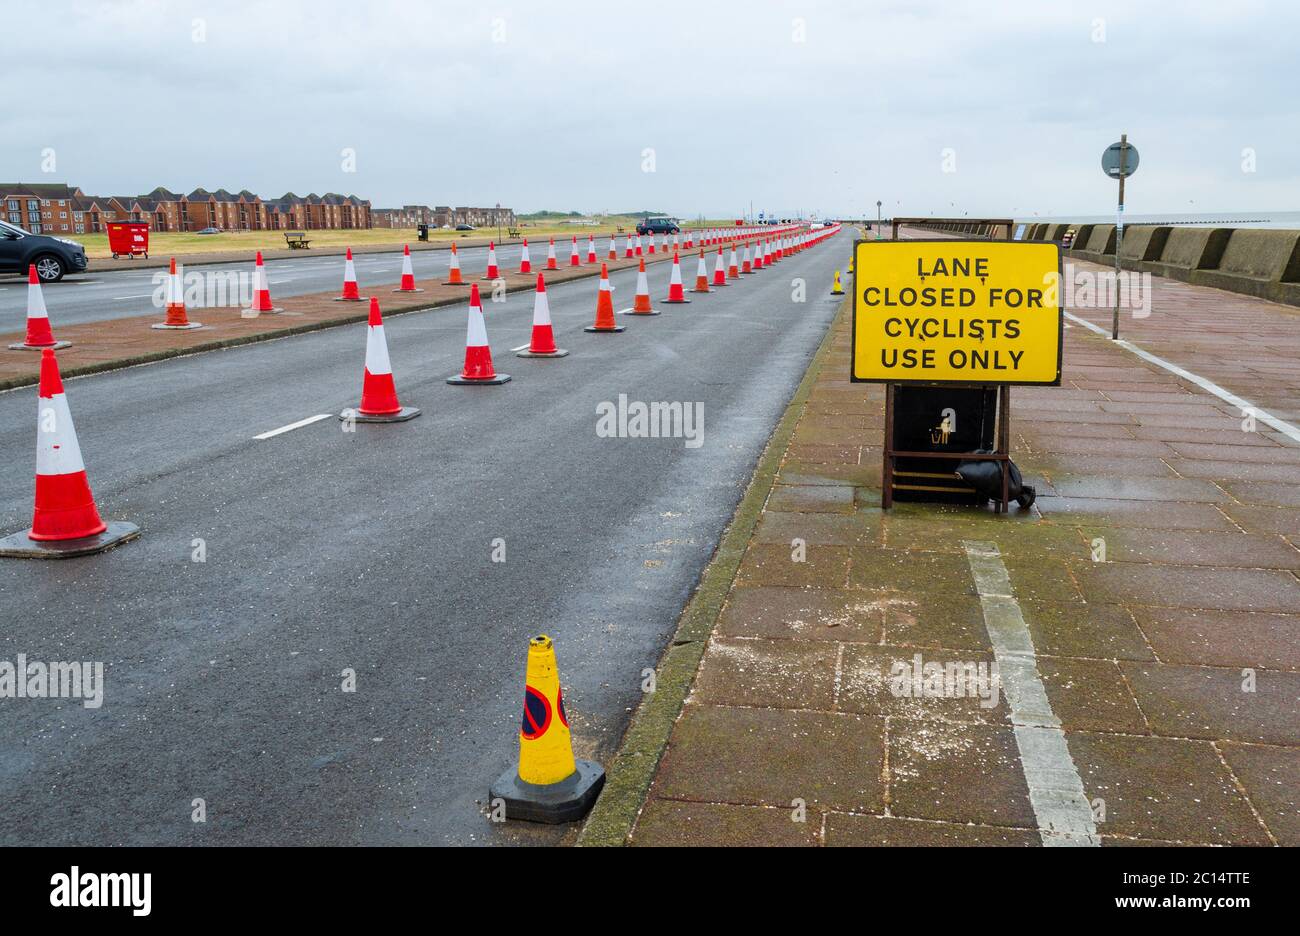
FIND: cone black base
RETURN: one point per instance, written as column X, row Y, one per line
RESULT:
column 459, row 380
column 402, row 415
column 566, row 801
column 558, row 352
column 835, row 292
column 599, row 331
column 53, row 347
column 677, row 302
column 163, row 326
column 20, row 546
column 635, row 312
column 408, row 290
column 348, row 299
column 450, row 283
column 254, row 313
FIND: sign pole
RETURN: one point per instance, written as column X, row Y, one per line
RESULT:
column 1119, row 231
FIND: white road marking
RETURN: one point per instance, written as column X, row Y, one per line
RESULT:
column 292, row 426
column 1209, row 386
column 1056, row 791
column 522, row 347
column 141, row 296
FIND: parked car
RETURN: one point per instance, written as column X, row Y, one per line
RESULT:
column 1067, row 241
column 464, row 227
column 209, row 231
column 658, row 226
column 53, row 256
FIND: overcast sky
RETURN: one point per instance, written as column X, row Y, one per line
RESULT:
column 793, row 105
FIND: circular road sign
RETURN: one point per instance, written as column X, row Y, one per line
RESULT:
column 1110, row 160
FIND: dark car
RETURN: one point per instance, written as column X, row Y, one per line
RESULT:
column 53, row 256
column 209, row 231
column 658, row 226
column 464, row 227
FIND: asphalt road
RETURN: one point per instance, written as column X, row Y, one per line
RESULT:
column 371, row 550
column 96, row 297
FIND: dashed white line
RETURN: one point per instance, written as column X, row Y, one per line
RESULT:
column 292, row 426
column 1209, row 386
column 1056, row 792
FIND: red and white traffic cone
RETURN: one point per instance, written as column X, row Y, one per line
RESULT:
column 638, row 245
column 746, row 265
column 676, row 295
column 591, row 248
column 379, row 403
column 701, row 275
column 493, row 271
column 408, row 273
column 719, row 271
column 604, row 306
column 641, row 301
column 39, row 335
column 758, row 255
column 543, row 340
column 261, row 293
column 478, row 355
column 676, row 244
column 613, row 248
column 733, row 270
column 573, row 257
column 551, row 263
column 650, row 249
column 627, row 247
column 177, row 319
column 689, row 242
column 65, row 520
column 453, row 272
column 350, row 291
column 525, row 262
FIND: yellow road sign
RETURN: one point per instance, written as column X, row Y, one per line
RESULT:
column 957, row 311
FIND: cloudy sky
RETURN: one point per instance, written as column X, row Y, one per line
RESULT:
column 566, row 104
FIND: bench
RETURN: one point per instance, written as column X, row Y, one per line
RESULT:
column 297, row 240
column 514, row 232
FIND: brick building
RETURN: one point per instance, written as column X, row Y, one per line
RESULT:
column 63, row 209
column 443, row 216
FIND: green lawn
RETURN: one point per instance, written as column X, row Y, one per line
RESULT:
column 179, row 245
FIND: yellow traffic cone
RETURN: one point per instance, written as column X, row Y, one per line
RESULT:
column 549, row 785
column 850, row 264
column 836, row 289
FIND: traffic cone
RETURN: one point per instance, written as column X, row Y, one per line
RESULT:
column 453, row 272
column 408, row 274
column 604, row 306
column 551, row 264
column 651, row 247
column 676, row 295
column 613, row 249
column 850, row 266
column 548, row 784
column 65, row 521
column 379, row 402
column 689, row 243
column 350, row 291
column 638, row 245
column 525, row 262
column 701, row 275
column 733, row 270
column 261, row 293
column 719, row 271
column 39, row 335
column 573, row 257
column 745, row 263
column 591, row 248
column 493, row 271
column 641, row 302
column 176, row 319
column 627, row 247
column 836, row 289
column 543, row 341
column 478, row 354
column 676, row 244
column 758, row 254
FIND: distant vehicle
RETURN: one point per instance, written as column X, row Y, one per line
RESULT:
column 52, row 256
column 209, row 231
column 1068, row 239
column 464, row 227
column 658, row 226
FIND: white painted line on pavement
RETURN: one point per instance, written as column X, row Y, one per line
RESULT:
column 141, row 296
column 292, row 426
column 1056, row 791
column 1209, row 386
column 520, row 348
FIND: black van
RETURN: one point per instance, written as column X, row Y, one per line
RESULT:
column 53, row 256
